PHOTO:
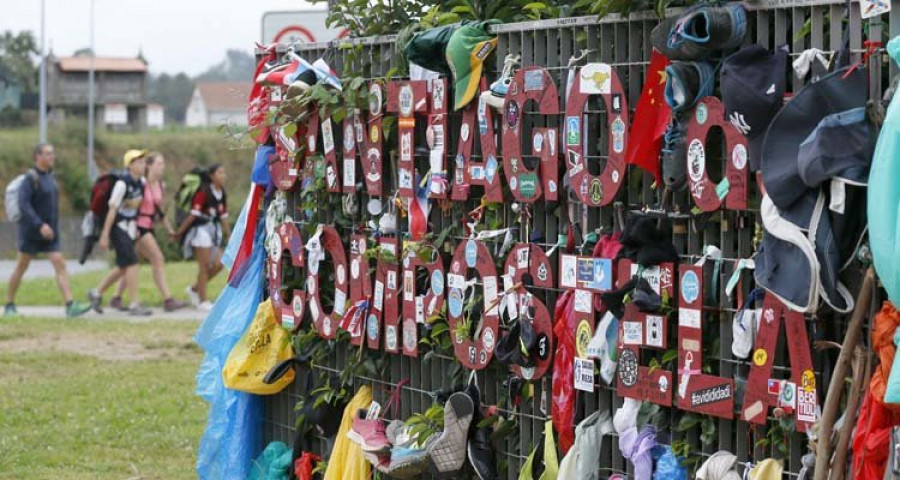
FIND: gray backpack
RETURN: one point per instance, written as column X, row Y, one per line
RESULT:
column 13, row 209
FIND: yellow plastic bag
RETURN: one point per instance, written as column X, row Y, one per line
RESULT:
column 346, row 461
column 262, row 346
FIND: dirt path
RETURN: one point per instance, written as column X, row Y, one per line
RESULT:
column 105, row 347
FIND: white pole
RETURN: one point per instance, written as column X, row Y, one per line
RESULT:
column 42, row 122
column 92, row 166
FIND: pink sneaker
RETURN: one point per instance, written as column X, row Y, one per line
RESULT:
column 370, row 435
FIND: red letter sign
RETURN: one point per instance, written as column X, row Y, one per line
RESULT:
column 372, row 139
column 417, row 307
column 473, row 339
column 385, row 305
column 528, row 258
column 709, row 113
column 288, row 306
column 326, row 239
column 407, row 98
column 360, row 280
column 697, row 392
column 531, row 83
column 596, row 79
column 467, row 171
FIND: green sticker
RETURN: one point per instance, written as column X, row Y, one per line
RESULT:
column 528, row 184
column 722, row 188
column 702, row 113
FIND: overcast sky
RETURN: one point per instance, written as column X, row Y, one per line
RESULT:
column 175, row 35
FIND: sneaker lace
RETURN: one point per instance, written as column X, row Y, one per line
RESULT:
column 670, row 138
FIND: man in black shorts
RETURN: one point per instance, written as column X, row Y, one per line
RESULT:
column 39, row 230
column 120, row 232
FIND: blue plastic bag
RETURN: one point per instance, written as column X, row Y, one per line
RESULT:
column 668, row 466
column 237, row 233
column 260, row 174
column 233, row 432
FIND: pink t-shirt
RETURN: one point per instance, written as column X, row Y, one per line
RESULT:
column 153, row 197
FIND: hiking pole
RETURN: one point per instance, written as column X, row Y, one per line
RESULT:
column 860, row 365
column 833, row 399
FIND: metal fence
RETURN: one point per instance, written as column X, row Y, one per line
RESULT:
column 624, row 43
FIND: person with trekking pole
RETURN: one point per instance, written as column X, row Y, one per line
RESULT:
column 150, row 212
column 32, row 201
column 120, row 231
column 204, row 231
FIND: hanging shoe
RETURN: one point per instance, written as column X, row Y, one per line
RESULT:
column 448, row 453
column 687, row 82
column 370, row 435
column 701, row 32
column 481, row 454
column 674, row 157
column 497, row 95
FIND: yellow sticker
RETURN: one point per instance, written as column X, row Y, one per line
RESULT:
column 582, row 338
column 808, row 381
column 760, row 356
column 373, row 134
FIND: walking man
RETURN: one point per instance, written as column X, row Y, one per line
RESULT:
column 39, row 230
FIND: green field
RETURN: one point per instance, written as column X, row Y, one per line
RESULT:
column 98, row 399
column 43, row 291
column 184, row 148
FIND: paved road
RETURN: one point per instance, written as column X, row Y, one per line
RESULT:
column 43, row 268
column 185, row 314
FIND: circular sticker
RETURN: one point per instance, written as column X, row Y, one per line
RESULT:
column 311, row 285
column 409, row 335
column 372, row 327
column 739, row 156
column 582, row 338
column 471, row 253
column 326, row 325
column 437, row 282
column 373, row 134
column 406, row 100
column 769, row 315
column 487, row 338
column 663, row 384
column 375, row 98
column 808, row 380
column 702, row 113
column 512, row 183
column 339, row 273
column 596, row 190
column 696, row 160
column 297, row 307
column 512, row 113
column 628, row 368
column 354, row 268
column 542, row 272
column 615, row 176
column 464, row 132
column 455, row 303
column 690, row 287
column 760, row 356
column 390, row 337
column 374, row 207
column 537, row 143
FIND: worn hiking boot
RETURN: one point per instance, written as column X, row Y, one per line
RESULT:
column 76, row 309
column 497, row 94
column 370, row 435
column 700, row 32
column 688, row 82
column 674, row 157
column 96, row 300
column 481, row 454
column 170, row 305
column 448, row 453
column 116, row 302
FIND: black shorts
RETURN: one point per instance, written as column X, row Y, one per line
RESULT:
column 143, row 231
column 123, row 245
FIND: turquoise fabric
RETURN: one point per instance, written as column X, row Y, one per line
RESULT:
column 884, row 195
column 274, row 463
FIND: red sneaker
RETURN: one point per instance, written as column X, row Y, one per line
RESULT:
column 370, row 435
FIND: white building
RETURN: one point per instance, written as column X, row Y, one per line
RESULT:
column 214, row 104
column 156, row 115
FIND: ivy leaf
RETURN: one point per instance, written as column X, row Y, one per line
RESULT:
column 687, row 422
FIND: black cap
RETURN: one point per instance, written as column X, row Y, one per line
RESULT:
column 753, row 84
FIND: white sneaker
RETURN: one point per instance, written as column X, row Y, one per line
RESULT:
column 205, row 306
column 192, row 296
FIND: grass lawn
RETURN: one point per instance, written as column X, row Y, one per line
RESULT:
column 98, row 400
column 43, row 291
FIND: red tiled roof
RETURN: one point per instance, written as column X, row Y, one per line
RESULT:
column 102, row 64
column 225, row 95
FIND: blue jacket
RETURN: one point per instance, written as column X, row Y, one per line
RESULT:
column 39, row 202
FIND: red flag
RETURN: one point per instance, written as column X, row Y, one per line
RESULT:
column 650, row 119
